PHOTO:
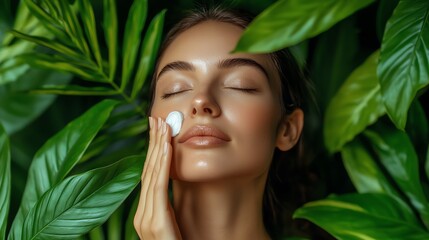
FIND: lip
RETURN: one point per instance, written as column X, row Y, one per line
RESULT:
column 203, row 135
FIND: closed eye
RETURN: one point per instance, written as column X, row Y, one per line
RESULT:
column 246, row 90
column 167, row 95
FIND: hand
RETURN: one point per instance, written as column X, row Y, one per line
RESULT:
column 154, row 217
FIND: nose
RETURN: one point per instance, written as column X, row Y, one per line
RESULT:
column 205, row 105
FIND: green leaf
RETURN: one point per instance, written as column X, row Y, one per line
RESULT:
column 74, row 90
column 59, row 63
column 46, row 42
column 47, row 21
column 82, row 202
column 115, row 223
column 87, row 15
column 11, row 70
column 397, row 155
column 356, row 105
column 110, row 25
column 132, row 35
column 149, row 52
column 59, row 155
column 363, row 170
column 17, row 107
column 73, row 28
column 363, row 216
column 96, row 234
column 137, row 147
column 130, row 232
column 288, row 22
column 403, row 69
column 5, row 181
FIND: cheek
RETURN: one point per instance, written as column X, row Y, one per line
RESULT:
column 254, row 120
column 162, row 108
column 255, row 131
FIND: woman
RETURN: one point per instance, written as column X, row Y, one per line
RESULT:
column 239, row 110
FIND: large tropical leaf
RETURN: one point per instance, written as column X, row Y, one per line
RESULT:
column 58, row 156
column 363, row 170
column 149, row 52
column 82, row 202
column 132, row 35
column 288, row 22
column 403, row 69
column 356, row 105
column 363, row 216
column 5, row 181
column 397, row 155
column 18, row 107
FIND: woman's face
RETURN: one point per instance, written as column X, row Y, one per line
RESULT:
column 230, row 104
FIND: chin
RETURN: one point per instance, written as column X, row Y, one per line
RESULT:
column 199, row 171
column 217, row 164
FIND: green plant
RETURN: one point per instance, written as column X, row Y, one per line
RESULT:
column 101, row 152
column 91, row 166
column 380, row 159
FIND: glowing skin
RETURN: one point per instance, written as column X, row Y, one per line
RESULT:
column 220, row 159
column 211, row 96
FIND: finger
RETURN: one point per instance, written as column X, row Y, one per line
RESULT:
column 140, row 208
column 152, row 141
column 152, row 174
column 161, row 219
column 150, row 158
column 161, row 186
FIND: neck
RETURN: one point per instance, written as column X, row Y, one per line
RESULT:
column 220, row 210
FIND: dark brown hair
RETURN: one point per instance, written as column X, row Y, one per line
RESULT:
column 295, row 93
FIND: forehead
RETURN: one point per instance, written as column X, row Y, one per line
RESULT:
column 208, row 43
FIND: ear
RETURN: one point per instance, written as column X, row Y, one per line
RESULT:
column 290, row 130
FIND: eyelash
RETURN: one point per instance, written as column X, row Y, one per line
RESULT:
column 246, row 90
column 167, row 95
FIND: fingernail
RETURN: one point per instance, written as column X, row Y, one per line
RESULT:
column 150, row 122
column 165, row 147
column 159, row 123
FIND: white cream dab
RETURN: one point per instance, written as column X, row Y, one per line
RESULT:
column 175, row 120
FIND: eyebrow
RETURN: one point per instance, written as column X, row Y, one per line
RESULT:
column 178, row 66
column 226, row 63
column 242, row 62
